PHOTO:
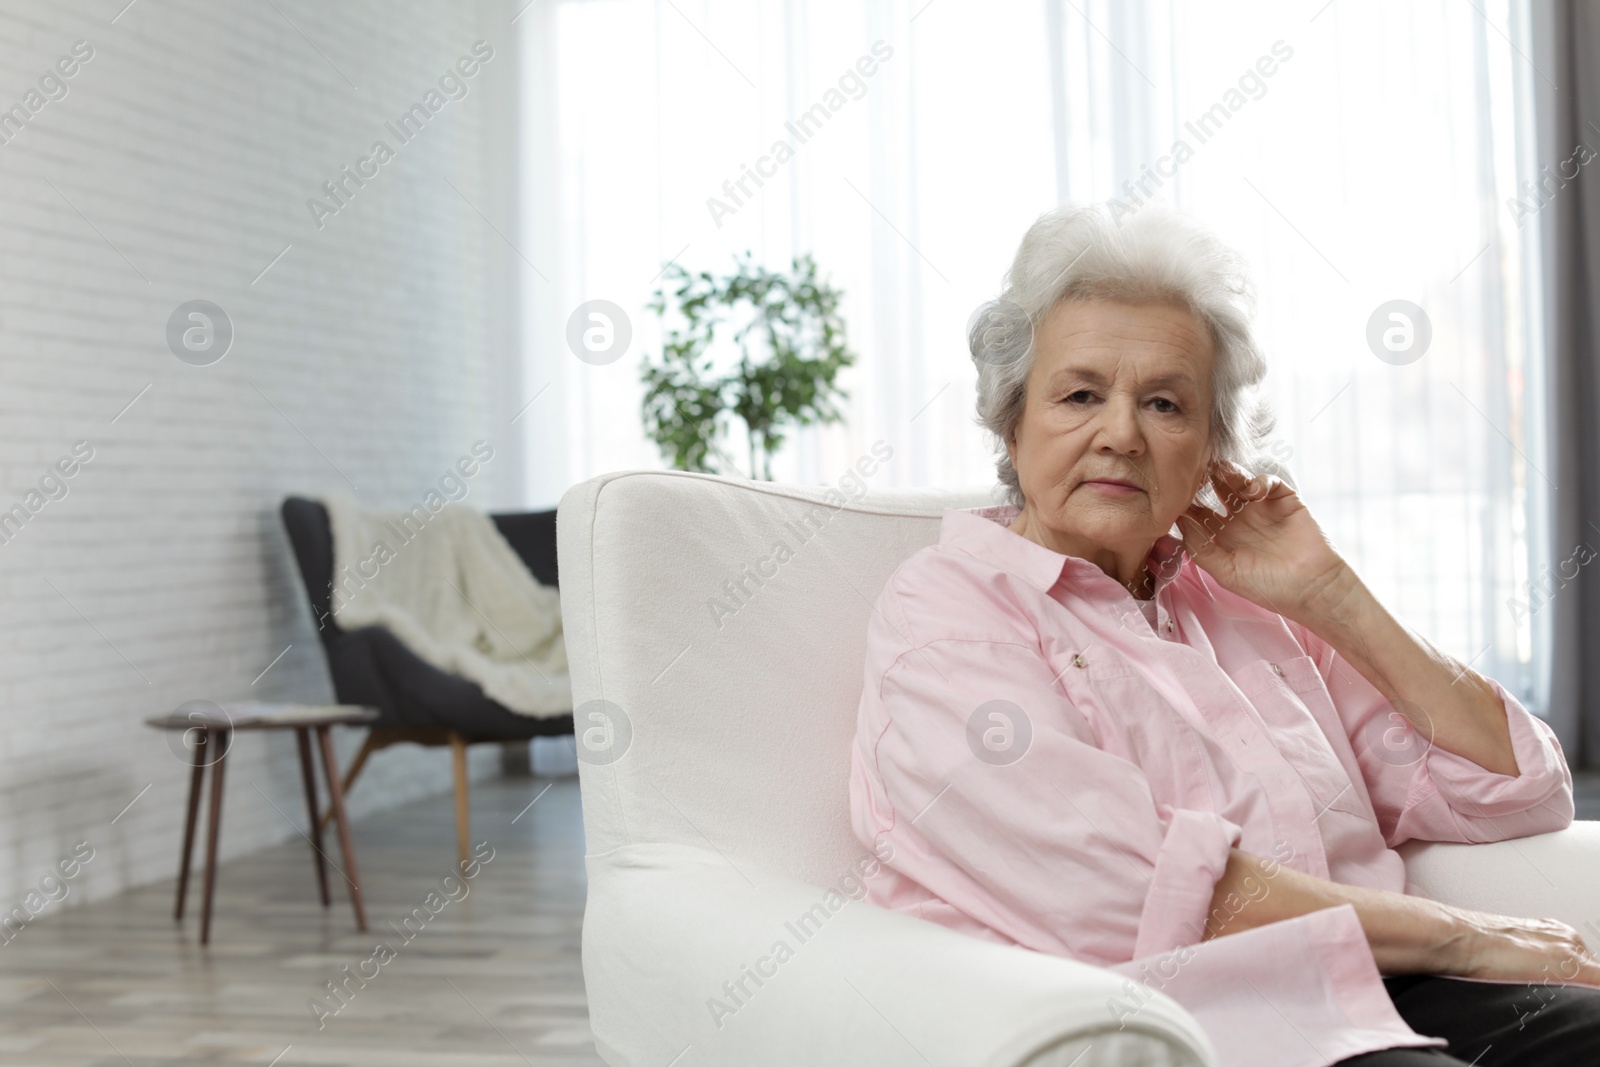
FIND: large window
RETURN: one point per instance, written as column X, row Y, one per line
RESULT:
column 1359, row 153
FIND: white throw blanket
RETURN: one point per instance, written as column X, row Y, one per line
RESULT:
column 450, row 587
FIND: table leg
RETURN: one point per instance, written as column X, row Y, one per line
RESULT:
column 213, row 824
column 346, row 848
column 458, row 747
column 189, row 824
column 302, row 736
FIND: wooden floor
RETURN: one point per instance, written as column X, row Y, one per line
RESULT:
column 493, row 979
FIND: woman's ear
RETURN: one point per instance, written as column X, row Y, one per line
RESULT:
column 1204, row 493
column 1207, row 467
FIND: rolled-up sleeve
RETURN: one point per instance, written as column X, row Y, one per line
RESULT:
column 1194, row 852
column 1001, row 803
column 1423, row 792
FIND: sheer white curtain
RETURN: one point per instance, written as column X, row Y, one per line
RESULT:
column 1357, row 152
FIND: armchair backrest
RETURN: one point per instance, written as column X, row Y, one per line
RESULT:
column 724, row 623
column 531, row 534
column 306, row 523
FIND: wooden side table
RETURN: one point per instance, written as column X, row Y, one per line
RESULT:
column 208, row 735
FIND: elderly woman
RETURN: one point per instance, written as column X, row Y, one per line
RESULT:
column 1189, row 757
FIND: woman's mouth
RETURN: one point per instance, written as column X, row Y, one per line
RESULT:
column 1113, row 487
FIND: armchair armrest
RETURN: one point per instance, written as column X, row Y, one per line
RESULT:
column 1546, row 876
column 686, row 949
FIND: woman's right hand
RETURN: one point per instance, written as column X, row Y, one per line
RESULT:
column 1506, row 948
column 1408, row 934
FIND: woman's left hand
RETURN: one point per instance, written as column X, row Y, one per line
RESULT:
column 1267, row 548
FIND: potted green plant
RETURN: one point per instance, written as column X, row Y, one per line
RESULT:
column 790, row 343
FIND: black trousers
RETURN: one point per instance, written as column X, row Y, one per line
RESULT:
column 1493, row 1025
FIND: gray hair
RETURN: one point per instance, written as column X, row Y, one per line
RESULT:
column 1155, row 255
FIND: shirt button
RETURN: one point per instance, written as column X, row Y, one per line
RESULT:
column 1079, row 661
column 1277, row 670
column 1169, row 626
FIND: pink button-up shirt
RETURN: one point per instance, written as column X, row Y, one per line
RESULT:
column 1061, row 767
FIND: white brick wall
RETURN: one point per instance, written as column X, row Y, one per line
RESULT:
column 176, row 167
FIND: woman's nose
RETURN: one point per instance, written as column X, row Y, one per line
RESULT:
column 1119, row 428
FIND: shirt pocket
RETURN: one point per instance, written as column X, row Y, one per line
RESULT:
column 1284, row 693
column 1133, row 721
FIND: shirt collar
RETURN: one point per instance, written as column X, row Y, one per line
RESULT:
column 982, row 532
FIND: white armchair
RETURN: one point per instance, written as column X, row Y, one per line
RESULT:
column 714, row 754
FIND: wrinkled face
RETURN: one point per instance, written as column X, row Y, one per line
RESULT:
column 1114, row 439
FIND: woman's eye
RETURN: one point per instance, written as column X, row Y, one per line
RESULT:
column 1170, row 406
column 1077, row 398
